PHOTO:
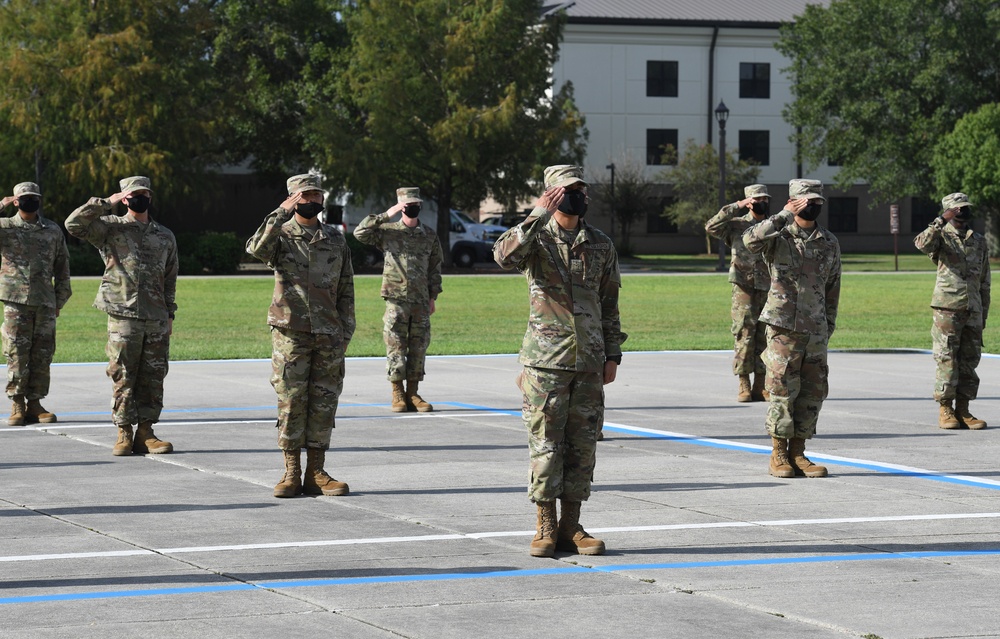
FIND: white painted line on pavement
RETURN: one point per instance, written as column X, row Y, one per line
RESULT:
column 489, row 534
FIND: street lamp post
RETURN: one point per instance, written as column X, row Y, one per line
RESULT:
column 611, row 167
column 721, row 115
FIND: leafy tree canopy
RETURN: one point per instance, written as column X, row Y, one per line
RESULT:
column 877, row 83
column 273, row 56
column 696, row 184
column 94, row 91
column 968, row 158
column 453, row 97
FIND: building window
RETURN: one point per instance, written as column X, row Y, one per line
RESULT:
column 755, row 80
column 922, row 213
column 842, row 214
column 657, row 141
column 661, row 78
column 755, row 147
column 655, row 220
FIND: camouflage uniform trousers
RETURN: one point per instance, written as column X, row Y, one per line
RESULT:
column 958, row 347
column 798, row 381
column 307, row 373
column 138, row 355
column 748, row 333
column 563, row 411
column 406, row 329
column 29, row 342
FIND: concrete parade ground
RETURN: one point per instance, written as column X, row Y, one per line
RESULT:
column 900, row 541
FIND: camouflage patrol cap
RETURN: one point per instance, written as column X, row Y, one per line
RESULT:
column 135, row 183
column 955, row 201
column 563, row 175
column 408, row 195
column 304, row 182
column 27, row 188
column 755, row 190
column 808, row 189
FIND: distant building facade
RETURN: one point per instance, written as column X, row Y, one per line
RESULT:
column 646, row 74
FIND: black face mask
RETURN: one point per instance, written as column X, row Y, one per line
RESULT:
column 308, row 210
column 411, row 210
column 760, row 208
column 138, row 203
column 811, row 212
column 574, row 203
column 964, row 214
column 28, row 204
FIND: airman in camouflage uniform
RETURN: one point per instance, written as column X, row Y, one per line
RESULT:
column 960, row 303
column 137, row 292
column 571, row 349
column 312, row 322
column 800, row 314
column 411, row 282
column 751, row 280
column 34, row 286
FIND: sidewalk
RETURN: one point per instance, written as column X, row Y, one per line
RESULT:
column 900, row 541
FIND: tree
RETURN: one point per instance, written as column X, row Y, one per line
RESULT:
column 453, row 97
column 968, row 160
column 94, row 91
column 878, row 82
column 273, row 56
column 633, row 199
column 696, row 185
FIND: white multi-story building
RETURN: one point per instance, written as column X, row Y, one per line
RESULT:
column 652, row 72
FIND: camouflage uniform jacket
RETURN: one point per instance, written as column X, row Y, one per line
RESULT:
column 411, row 270
column 140, row 261
column 313, row 276
column 963, row 267
column 805, row 274
column 747, row 270
column 34, row 256
column 573, row 322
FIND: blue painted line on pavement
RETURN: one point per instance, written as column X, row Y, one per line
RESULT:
column 714, row 443
column 497, row 574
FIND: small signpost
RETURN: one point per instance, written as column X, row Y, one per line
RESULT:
column 894, row 229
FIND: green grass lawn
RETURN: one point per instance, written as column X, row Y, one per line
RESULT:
column 223, row 318
column 909, row 260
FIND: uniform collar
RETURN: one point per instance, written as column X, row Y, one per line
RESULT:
column 296, row 230
column 581, row 236
column 963, row 235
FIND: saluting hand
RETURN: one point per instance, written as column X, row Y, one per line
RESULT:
column 949, row 214
column 7, row 200
column 291, row 201
column 551, row 199
column 395, row 210
column 797, row 205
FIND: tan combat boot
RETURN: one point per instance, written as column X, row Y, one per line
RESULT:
column 416, row 400
column 147, row 442
column 17, row 411
column 780, row 466
column 757, row 393
column 123, row 446
column 399, row 404
column 797, row 451
column 36, row 413
column 743, row 395
column 291, row 483
column 967, row 418
column 544, row 543
column 316, row 481
column 571, row 536
column 946, row 416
